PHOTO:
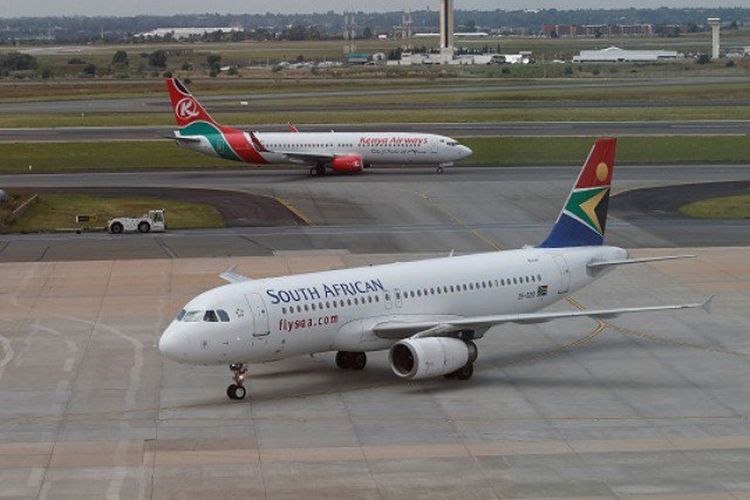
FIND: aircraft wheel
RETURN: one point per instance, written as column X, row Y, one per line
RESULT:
column 466, row 372
column 439, row 170
column 318, row 171
column 235, row 391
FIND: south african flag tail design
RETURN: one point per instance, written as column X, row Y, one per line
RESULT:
column 583, row 218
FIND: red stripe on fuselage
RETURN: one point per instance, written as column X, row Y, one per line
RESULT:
column 242, row 147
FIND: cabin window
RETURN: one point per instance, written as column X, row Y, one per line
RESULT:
column 349, row 302
column 328, row 305
column 306, row 308
column 312, row 306
column 283, row 310
column 539, row 277
column 299, row 309
column 419, row 293
column 223, row 316
column 211, row 317
column 471, row 286
column 377, row 298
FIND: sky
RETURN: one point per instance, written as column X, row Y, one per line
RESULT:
column 14, row 8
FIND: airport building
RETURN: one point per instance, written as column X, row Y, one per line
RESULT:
column 184, row 32
column 618, row 55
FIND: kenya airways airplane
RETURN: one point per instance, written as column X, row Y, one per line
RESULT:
column 428, row 313
column 337, row 151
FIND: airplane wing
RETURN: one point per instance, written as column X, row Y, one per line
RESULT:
column 404, row 329
column 232, row 277
column 312, row 158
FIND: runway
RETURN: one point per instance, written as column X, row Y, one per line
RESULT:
column 397, row 210
column 500, row 129
column 655, row 406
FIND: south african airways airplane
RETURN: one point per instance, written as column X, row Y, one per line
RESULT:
column 427, row 313
column 322, row 151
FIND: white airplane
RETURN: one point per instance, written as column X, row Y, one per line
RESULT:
column 428, row 313
column 337, row 151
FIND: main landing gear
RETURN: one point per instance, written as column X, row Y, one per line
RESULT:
column 318, row 171
column 351, row 360
column 466, row 371
column 237, row 390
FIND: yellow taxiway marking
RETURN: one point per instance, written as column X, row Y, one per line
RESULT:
column 459, row 222
column 294, row 210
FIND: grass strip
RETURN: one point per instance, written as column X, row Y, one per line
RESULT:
column 504, row 151
column 53, row 211
column 724, row 207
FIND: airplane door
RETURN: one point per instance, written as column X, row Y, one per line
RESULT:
column 393, row 298
column 434, row 145
column 562, row 266
column 260, row 314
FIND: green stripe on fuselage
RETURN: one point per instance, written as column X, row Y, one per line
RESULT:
column 214, row 136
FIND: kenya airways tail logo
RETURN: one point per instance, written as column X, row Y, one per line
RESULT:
column 186, row 108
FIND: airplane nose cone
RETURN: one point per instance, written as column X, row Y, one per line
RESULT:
column 173, row 344
column 465, row 151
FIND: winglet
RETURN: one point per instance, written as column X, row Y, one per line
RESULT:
column 257, row 144
column 707, row 304
column 292, row 128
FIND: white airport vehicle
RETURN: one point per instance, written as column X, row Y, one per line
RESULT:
column 321, row 151
column 153, row 221
column 428, row 313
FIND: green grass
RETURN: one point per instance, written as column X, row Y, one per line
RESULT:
column 725, row 207
column 677, row 113
column 123, row 156
column 53, row 211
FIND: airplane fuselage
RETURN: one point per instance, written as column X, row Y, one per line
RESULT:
column 276, row 318
column 292, row 147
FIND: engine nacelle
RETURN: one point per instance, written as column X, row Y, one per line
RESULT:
column 349, row 163
column 430, row 356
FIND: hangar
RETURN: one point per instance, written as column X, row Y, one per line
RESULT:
column 616, row 54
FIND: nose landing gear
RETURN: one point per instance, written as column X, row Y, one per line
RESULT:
column 237, row 390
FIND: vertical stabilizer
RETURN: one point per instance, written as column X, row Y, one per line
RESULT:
column 186, row 108
column 583, row 218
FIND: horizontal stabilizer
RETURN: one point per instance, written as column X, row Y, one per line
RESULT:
column 608, row 263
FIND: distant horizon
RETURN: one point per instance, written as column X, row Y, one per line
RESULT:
column 94, row 8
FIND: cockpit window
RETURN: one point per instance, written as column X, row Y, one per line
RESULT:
column 223, row 315
column 211, row 317
column 452, row 143
column 181, row 315
column 192, row 316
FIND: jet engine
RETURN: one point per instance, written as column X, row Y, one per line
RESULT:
column 349, row 163
column 430, row 356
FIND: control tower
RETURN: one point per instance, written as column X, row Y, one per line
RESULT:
column 446, row 30
column 715, row 24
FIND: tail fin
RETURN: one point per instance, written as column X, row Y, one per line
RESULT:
column 186, row 108
column 583, row 218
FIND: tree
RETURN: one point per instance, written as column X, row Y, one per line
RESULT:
column 367, row 32
column 89, row 70
column 120, row 58
column 214, row 62
column 157, row 59
column 15, row 61
column 703, row 59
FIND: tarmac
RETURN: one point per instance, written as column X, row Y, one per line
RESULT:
column 388, row 211
column 652, row 406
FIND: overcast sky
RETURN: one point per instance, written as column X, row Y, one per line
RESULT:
column 12, row 8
